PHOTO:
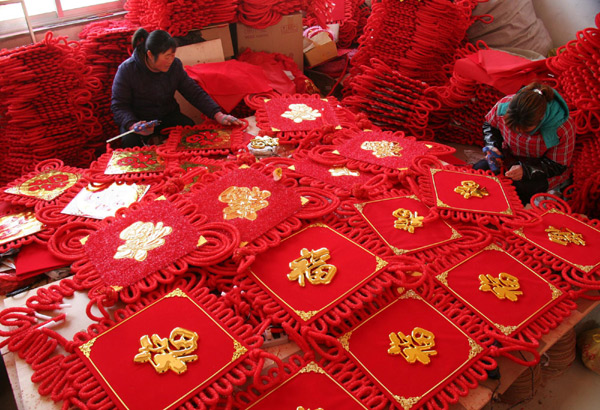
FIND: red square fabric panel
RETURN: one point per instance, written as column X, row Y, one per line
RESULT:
column 143, row 242
column 203, row 139
column 161, row 355
column 46, row 185
column 125, row 162
column 401, row 223
column 566, row 238
column 384, row 149
column 339, row 176
column 299, row 113
column 501, row 289
column 464, row 191
column 313, row 270
column 410, row 349
column 248, row 200
column 311, row 388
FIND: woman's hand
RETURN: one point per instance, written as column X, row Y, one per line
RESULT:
column 226, row 119
column 515, row 173
column 140, row 128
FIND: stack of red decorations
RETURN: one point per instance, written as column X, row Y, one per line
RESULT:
column 464, row 104
column 46, row 106
column 178, row 17
column 264, row 13
column 416, row 38
column 577, row 67
column 355, row 15
column 585, row 192
column 391, row 99
column 106, row 44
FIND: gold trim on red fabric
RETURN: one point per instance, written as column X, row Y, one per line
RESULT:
column 409, row 402
column 360, row 207
column 507, row 330
column 238, row 349
column 441, row 204
column 311, row 367
column 583, row 268
column 307, row 315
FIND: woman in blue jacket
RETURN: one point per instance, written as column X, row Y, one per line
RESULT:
column 144, row 89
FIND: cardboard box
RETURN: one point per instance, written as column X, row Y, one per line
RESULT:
column 206, row 52
column 220, row 32
column 319, row 48
column 284, row 37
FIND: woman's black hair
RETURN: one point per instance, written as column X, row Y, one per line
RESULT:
column 156, row 42
column 528, row 106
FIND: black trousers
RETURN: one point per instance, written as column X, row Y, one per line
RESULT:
column 526, row 188
column 171, row 120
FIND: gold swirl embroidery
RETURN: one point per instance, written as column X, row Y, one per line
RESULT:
column 471, row 189
column 383, row 149
column 301, row 112
column 243, row 202
column 140, row 238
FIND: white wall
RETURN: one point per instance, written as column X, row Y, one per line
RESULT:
column 564, row 18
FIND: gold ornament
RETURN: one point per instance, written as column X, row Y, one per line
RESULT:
column 243, row 202
column 416, row 347
column 343, row 171
column 140, row 238
column 564, row 236
column 168, row 354
column 505, row 286
column 383, row 149
column 264, row 142
column 301, row 112
column 406, row 220
column 311, row 265
column 470, row 189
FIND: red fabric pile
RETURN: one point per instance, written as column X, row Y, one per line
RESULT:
column 46, row 106
column 178, row 17
column 106, row 44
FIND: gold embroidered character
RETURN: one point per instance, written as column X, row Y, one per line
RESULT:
column 311, row 265
column 505, row 286
column 243, row 202
column 471, row 189
column 343, row 171
column 383, row 149
column 140, row 238
column 301, row 112
column 407, row 220
column 418, row 346
column 565, row 236
column 168, row 354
